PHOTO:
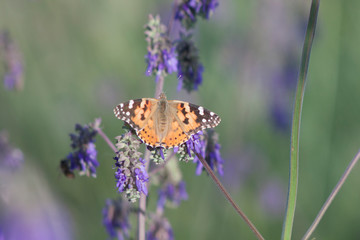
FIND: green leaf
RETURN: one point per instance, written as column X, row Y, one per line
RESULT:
column 295, row 130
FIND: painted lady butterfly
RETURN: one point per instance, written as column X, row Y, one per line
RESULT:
column 165, row 123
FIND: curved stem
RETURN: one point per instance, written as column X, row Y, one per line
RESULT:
column 332, row 196
column 228, row 197
column 107, row 140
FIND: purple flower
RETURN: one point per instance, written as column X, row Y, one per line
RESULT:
column 194, row 144
column 188, row 10
column 116, row 218
column 162, row 153
column 208, row 7
column 83, row 157
column 162, row 57
column 152, row 60
column 206, row 145
column 131, row 176
column 170, row 60
column 174, row 194
column 160, row 229
column 190, row 70
column 14, row 76
column 10, row 158
column 196, row 5
column 211, row 153
column 141, row 177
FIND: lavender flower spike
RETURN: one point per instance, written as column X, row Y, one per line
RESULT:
column 173, row 194
column 116, row 218
column 131, row 176
column 84, row 155
column 162, row 56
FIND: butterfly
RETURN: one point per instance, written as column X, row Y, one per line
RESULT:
column 165, row 123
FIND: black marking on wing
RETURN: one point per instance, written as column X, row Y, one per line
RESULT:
column 125, row 113
column 205, row 118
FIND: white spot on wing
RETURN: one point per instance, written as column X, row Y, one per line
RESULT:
column 201, row 110
column 204, row 120
column 131, row 103
column 187, row 107
column 212, row 114
column 127, row 113
column 121, row 105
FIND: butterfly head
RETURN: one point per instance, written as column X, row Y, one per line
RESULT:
column 162, row 96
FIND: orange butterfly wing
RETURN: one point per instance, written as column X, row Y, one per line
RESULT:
column 184, row 119
column 148, row 134
column 138, row 114
column 176, row 135
column 188, row 119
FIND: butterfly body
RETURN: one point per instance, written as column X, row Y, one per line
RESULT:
column 165, row 123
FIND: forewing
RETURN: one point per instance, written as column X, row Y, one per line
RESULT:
column 136, row 112
column 193, row 118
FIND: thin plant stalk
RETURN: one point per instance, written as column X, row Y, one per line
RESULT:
column 142, row 203
column 228, row 197
column 332, row 196
column 106, row 139
column 296, row 120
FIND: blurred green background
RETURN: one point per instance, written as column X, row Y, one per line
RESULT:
column 83, row 57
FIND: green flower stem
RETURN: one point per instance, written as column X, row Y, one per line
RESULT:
column 295, row 131
column 332, row 196
column 228, row 197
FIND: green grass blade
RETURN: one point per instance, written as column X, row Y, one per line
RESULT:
column 294, row 150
